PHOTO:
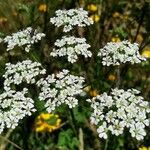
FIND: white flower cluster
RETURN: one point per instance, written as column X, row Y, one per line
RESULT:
column 60, row 88
column 14, row 106
column 71, row 18
column 24, row 71
column 121, row 109
column 72, row 47
column 25, row 38
column 115, row 53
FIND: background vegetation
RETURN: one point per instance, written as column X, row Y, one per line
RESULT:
column 114, row 20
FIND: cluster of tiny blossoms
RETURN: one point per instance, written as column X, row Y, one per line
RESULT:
column 14, row 106
column 121, row 109
column 71, row 46
column 24, row 71
column 25, row 38
column 60, row 88
column 71, row 18
column 115, row 53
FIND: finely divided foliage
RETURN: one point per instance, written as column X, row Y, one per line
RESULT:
column 60, row 88
column 72, row 47
column 119, row 110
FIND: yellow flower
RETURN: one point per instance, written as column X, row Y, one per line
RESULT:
column 92, row 7
column 93, row 93
column 144, row 148
column 47, row 122
column 42, row 8
column 146, row 53
column 40, row 128
column 3, row 20
column 115, row 39
column 111, row 77
column 87, row 88
column 116, row 14
column 95, row 17
column 139, row 38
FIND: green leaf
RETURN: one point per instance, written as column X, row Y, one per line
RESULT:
column 67, row 141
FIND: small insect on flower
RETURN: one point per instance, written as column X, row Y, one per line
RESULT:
column 42, row 8
column 47, row 122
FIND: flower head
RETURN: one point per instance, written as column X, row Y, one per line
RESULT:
column 71, row 18
column 25, row 38
column 95, row 17
column 121, row 52
column 72, row 47
column 14, row 106
column 146, row 53
column 60, row 88
column 92, row 7
column 42, row 8
column 47, row 122
column 121, row 109
column 144, row 148
column 25, row 71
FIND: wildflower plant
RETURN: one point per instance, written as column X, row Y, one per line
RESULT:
column 25, row 38
column 71, row 18
column 116, row 53
column 25, row 71
column 60, row 88
column 14, row 106
column 112, row 113
column 72, row 47
column 47, row 122
column 119, row 110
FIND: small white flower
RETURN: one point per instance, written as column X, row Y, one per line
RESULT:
column 71, row 47
column 25, row 71
column 14, row 107
column 71, row 18
column 102, row 130
column 25, row 38
column 60, row 88
column 121, row 109
column 116, row 53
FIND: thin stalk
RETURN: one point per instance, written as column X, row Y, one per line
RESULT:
column 72, row 121
column 141, row 21
column 118, row 77
column 106, row 144
column 12, row 143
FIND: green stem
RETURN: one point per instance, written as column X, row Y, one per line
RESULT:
column 72, row 121
column 106, row 144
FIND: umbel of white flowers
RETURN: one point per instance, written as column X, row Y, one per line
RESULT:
column 119, row 110
column 25, row 38
column 71, row 18
column 25, row 71
column 72, row 47
column 60, row 88
column 14, row 106
column 116, row 53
